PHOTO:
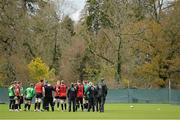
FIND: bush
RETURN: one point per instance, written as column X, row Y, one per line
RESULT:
column 38, row 69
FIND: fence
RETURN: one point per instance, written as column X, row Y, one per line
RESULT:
column 143, row 96
column 129, row 95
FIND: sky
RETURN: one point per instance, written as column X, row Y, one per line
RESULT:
column 73, row 8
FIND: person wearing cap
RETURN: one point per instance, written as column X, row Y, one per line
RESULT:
column 29, row 94
column 91, row 97
column 63, row 94
column 101, row 93
column 39, row 89
column 72, row 97
column 11, row 95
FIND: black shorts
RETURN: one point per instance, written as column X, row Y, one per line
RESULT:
column 63, row 98
column 21, row 100
column 11, row 97
column 80, row 99
column 86, row 97
column 57, row 97
column 39, row 95
column 28, row 99
column 18, row 97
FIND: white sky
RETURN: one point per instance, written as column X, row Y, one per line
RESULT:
column 73, row 8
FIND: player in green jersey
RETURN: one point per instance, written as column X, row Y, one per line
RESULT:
column 86, row 95
column 29, row 94
column 11, row 95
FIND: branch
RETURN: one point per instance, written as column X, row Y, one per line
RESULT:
column 138, row 33
column 108, row 38
column 30, row 50
column 101, row 56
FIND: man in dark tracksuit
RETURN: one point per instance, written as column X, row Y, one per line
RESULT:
column 102, row 93
column 48, row 99
column 72, row 97
column 96, row 99
column 91, row 97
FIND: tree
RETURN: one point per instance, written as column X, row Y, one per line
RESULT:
column 38, row 69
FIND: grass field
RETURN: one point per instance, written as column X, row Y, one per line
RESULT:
column 112, row 112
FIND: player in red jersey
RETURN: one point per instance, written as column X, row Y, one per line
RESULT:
column 57, row 94
column 80, row 95
column 63, row 94
column 39, row 89
column 17, row 95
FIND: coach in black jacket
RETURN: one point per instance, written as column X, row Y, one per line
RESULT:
column 72, row 97
column 101, row 93
column 48, row 99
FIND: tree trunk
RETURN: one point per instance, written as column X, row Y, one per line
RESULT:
column 119, row 62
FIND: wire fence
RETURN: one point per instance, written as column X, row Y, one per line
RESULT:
column 171, row 96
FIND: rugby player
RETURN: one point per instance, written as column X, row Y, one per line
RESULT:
column 63, row 94
column 57, row 94
column 29, row 94
column 80, row 95
column 39, row 89
column 11, row 94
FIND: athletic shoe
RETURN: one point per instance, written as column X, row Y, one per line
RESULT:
column 16, row 110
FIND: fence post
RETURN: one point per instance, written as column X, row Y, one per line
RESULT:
column 128, row 92
column 169, row 92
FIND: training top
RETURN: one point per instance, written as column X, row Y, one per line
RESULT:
column 39, row 88
column 102, row 89
column 48, row 91
column 92, row 92
column 29, row 92
column 57, row 90
column 11, row 91
column 17, row 90
column 63, row 90
column 21, row 91
column 80, row 90
column 86, row 89
column 71, row 93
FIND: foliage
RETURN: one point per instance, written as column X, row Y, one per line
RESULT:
column 38, row 69
column 121, row 40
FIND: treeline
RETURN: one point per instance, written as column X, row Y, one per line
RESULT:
column 131, row 43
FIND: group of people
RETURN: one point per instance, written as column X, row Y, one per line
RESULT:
column 82, row 95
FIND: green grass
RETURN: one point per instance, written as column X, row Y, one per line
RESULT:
column 112, row 111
